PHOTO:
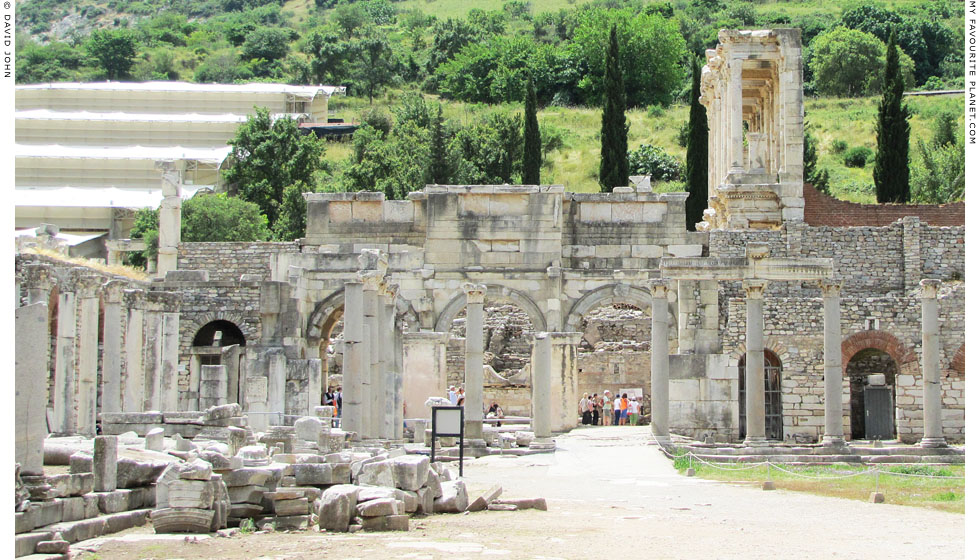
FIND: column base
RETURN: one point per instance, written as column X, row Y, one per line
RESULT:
column 836, row 442
column 932, row 442
column 473, row 429
column 474, row 447
column 542, row 444
column 756, row 441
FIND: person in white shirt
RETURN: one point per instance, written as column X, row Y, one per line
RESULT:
column 453, row 395
column 634, row 412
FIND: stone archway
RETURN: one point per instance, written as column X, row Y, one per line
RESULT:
column 958, row 363
column 607, row 295
column 494, row 292
column 863, row 345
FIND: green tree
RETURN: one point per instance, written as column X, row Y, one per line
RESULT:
column 54, row 62
column 614, row 162
column 651, row 55
column 350, row 18
column 375, row 65
column 114, row 50
column 439, row 172
column 891, row 171
column 531, row 170
column 697, row 152
column 809, row 154
column 291, row 223
column 266, row 43
column 846, row 62
column 269, row 156
column 329, row 56
column 941, row 176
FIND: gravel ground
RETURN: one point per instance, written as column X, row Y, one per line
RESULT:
column 609, row 495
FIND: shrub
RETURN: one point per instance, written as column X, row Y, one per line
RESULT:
column 377, row 118
column 857, row 157
column 838, row 146
column 655, row 162
column 552, row 138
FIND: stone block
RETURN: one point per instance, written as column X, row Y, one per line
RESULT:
column 308, row 428
column 74, row 531
column 453, row 499
column 81, row 483
column 318, row 474
column 685, row 250
column 297, row 506
column 26, row 543
column 190, row 494
column 376, row 474
column 23, row 521
column 125, row 520
column 410, row 471
column 91, row 502
column 426, row 500
column 367, row 211
column 154, row 439
column 647, row 251
column 30, row 423
column 131, row 473
column 377, row 508
column 243, row 511
column 246, row 494
column 337, row 506
column 386, row 523
column 52, row 547
column 80, row 462
column 73, row 509
column 484, row 500
column 525, row 503
column 113, row 502
column 194, row 470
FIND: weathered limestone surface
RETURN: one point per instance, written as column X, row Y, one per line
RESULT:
column 30, row 424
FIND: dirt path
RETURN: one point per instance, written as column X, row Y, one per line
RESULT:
column 608, row 490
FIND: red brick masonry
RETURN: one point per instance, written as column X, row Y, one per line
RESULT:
column 823, row 210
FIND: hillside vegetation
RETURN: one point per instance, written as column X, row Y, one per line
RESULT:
column 474, row 58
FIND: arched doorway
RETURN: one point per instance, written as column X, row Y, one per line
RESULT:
column 871, row 374
column 772, row 374
column 331, row 351
column 218, row 343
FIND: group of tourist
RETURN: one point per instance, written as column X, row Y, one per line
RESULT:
column 615, row 410
column 456, row 396
column 334, row 396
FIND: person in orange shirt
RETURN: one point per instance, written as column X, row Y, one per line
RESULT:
column 624, row 406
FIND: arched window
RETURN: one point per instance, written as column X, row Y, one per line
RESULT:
column 219, row 333
column 772, row 372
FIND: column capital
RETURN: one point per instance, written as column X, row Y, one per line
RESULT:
column 88, row 286
column 756, row 250
column 831, row 287
column 659, row 287
column 391, row 291
column 930, row 288
column 372, row 279
column 113, row 290
column 39, row 276
column 475, row 293
column 754, row 288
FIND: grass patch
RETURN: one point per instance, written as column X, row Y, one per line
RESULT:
column 115, row 269
column 946, row 492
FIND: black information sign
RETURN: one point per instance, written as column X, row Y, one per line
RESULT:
column 447, row 421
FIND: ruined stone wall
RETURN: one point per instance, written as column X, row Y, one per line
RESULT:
column 794, row 332
column 230, row 260
column 943, row 252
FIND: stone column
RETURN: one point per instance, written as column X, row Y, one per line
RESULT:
column 735, row 99
column 833, row 376
column 541, row 388
column 564, row 380
column 104, row 461
column 390, row 403
column 660, row 362
column 88, row 355
column 64, row 365
column 169, row 218
column 932, row 398
column 473, row 373
column 755, row 398
column 353, row 366
column 132, row 380
column 369, row 412
column 153, row 329
column 425, row 373
column 30, row 398
column 112, row 347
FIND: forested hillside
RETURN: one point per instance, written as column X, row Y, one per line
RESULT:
column 399, row 59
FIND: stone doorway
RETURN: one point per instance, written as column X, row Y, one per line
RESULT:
column 861, row 370
column 331, row 351
column 218, row 343
column 772, row 372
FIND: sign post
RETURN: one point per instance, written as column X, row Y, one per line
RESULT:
column 447, row 421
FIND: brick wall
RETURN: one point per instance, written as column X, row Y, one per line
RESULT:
column 823, row 210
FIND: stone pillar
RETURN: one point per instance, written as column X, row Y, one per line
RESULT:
column 755, row 398
column 735, row 100
column 153, row 325
column 64, row 365
column 213, row 389
column 686, row 309
column 424, row 369
column 757, row 152
column 353, row 366
column 369, row 412
column 660, row 362
column 169, row 218
column 541, row 387
column 390, row 403
column 277, row 386
column 564, row 380
column 473, row 375
column 88, row 355
column 112, row 347
column 132, row 380
column 932, row 398
column 707, row 339
column 833, row 376
column 39, row 281
column 104, row 460
column 30, row 398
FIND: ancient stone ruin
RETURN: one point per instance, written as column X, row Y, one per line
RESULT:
column 203, row 387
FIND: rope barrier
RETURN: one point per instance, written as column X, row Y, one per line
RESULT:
column 778, row 468
column 892, row 473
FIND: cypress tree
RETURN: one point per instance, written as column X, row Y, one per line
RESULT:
column 697, row 152
column 531, row 170
column 614, row 159
column 438, row 172
column 891, row 172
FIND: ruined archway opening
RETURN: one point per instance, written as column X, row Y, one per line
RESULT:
column 218, row 343
column 507, row 331
column 219, row 333
column 871, row 384
column 614, row 353
column 772, row 376
column 331, row 353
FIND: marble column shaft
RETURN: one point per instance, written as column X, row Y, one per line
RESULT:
column 473, row 373
column 369, row 413
column 353, row 365
column 87, row 346
column 540, row 385
column 132, row 391
column 833, row 376
column 755, row 399
column 660, row 362
column 392, row 428
column 932, row 398
column 735, row 101
column 112, row 347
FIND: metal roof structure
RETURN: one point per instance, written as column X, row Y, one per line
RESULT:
column 96, row 197
column 208, row 155
column 159, row 86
